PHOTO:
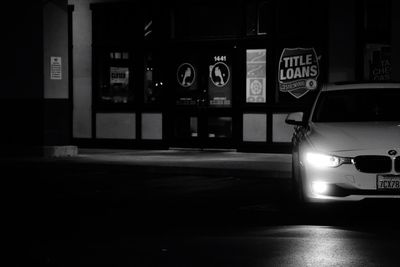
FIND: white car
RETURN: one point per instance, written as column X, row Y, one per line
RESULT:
column 348, row 147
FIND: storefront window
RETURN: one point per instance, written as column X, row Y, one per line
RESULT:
column 377, row 62
column 377, row 49
column 152, row 84
column 259, row 17
column 115, row 78
column 219, row 127
column 221, row 19
column 377, row 18
column 256, row 60
column 186, row 127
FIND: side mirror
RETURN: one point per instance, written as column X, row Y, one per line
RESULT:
column 295, row 118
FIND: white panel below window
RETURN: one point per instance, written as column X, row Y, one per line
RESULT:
column 152, row 126
column 254, row 127
column 116, row 125
column 281, row 132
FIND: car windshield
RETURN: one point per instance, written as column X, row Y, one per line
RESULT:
column 358, row 105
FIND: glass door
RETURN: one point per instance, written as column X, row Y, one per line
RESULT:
column 203, row 100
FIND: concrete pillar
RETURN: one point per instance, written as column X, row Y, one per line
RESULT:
column 55, row 72
column 57, row 105
column 82, row 68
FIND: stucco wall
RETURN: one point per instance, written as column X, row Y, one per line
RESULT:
column 55, row 44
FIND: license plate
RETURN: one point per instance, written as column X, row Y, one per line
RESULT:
column 388, row 182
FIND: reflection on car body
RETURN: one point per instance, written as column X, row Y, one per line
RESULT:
column 348, row 148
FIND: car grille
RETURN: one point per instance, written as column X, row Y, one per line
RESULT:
column 373, row 164
column 397, row 164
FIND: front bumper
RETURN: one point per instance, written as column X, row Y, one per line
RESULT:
column 343, row 183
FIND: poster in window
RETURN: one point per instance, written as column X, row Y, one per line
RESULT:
column 256, row 75
column 298, row 71
column 220, row 80
column 377, row 62
column 119, row 84
column 187, row 83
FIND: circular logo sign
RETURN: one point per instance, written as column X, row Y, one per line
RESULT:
column 256, row 87
column 311, row 84
column 186, row 74
column 298, row 71
column 219, row 74
column 392, row 152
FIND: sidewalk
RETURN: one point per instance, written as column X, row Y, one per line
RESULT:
column 180, row 161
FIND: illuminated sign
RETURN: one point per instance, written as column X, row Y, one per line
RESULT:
column 298, row 71
column 377, row 62
column 119, row 84
column 219, row 74
column 219, row 81
column 256, row 75
column 186, row 75
column 187, row 92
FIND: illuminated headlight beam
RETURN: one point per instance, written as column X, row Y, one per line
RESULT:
column 318, row 160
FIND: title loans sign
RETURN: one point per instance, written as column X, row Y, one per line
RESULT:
column 298, row 71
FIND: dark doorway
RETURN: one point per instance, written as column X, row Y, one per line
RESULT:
column 203, row 104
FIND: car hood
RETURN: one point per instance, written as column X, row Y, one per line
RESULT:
column 350, row 136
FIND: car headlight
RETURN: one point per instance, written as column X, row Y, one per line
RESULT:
column 323, row 161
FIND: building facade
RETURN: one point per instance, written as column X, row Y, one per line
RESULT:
column 217, row 74
column 201, row 73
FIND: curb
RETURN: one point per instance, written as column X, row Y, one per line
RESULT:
column 60, row 151
column 131, row 170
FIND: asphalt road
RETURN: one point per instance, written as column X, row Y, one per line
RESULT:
column 101, row 217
